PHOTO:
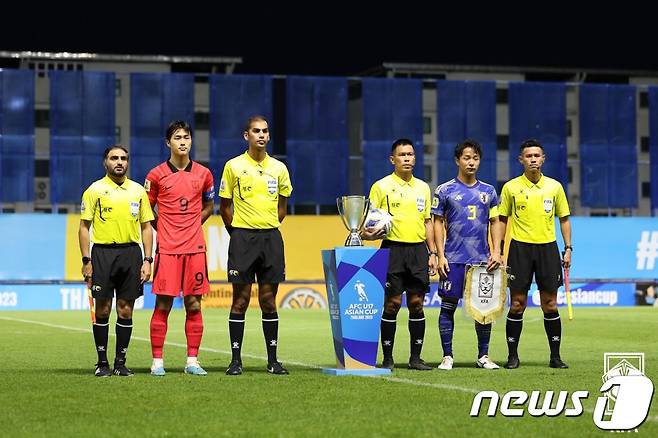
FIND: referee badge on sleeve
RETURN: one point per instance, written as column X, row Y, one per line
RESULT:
column 82, row 207
column 147, row 186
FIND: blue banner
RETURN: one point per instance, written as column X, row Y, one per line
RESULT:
column 392, row 109
column 539, row 110
column 82, row 126
column 16, row 135
column 69, row 296
column 608, row 146
column 156, row 99
column 653, row 147
column 466, row 109
column 233, row 99
column 316, row 138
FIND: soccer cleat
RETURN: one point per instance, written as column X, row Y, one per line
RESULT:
column 120, row 369
column 513, row 362
column 195, row 370
column 446, row 363
column 158, row 371
column 556, row 362
column 486, row 363
column 234, row 368
column 102, row 369
column 276, row 368
column 416, row 363
column 388, row 363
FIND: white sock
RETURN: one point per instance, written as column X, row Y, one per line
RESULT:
column 157, row 363
column 192, row 360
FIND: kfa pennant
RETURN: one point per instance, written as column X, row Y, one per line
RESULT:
column 485, row 293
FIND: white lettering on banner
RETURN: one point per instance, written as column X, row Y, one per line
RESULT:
column 583, row 297
column 75, row 298
column 361, row 311
column 8, row 299
column 218, row 240
column 647, row 251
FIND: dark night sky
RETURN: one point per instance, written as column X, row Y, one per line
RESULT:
column 311, row 39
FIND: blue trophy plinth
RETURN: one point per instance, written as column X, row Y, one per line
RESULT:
column 355, row 277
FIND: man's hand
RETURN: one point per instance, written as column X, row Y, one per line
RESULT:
column 432, row 263
column 566, row 258
column 443, row 267
column 372, row 233
column 145, row 273
column 87, row 271
column 494, row 262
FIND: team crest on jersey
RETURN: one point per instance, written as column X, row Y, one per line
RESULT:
column 420, row 204
column 147, row 186
column 196, row 185
column 484, row 198
column 134, row 208
column 272, row 186
column 548, row 205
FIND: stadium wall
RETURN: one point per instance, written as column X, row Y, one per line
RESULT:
column 614, row 260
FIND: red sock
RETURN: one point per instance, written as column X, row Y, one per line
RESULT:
column 158, row 331
column 193, row 332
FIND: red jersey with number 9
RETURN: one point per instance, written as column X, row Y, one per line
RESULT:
column 179, row 197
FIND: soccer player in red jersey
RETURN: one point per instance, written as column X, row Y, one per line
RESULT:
column 181, row 193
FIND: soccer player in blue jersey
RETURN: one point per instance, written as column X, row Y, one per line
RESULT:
column 468, row 209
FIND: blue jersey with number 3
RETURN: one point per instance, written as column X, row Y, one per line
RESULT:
column 466, row 210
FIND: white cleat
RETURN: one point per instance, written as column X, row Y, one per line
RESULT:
column 446, row 363
column 486, row 363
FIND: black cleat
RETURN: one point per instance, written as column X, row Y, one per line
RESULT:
column 388, row 363
column 120, row 369
column 556, row 362
column 276, row 368
column 512, row 363
column 417, row 363
column 234, row 368
column 102, row 369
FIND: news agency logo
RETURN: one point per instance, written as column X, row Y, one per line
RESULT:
column 624, row 405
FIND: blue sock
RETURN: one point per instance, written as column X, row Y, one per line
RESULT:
column 483, row 332
column 447, row 326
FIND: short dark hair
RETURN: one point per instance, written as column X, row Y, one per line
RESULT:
column 531, row 143
column 468, row 143
column 254, row 118
column 115, row 146
column 175, row 126
column 401, row 142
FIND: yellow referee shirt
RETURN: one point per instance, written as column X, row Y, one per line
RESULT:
column 408, row 203
column 255, row 189
column 533, row 208
column 116, row 211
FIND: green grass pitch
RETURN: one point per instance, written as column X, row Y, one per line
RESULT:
column 47, row 387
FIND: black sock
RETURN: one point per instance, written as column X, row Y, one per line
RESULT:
column 236, row 332
column 101, row 331
column 416, row 333
column 123, row 330
column 388, row 326
column 513, row 332
column 271, row 334
column 553, row 327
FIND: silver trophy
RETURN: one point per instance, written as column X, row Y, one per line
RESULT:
column 353, row 211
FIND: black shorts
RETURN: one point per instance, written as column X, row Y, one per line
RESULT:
column 256, row 254
column 541, row 259
column 117, row 267
column 407, row 268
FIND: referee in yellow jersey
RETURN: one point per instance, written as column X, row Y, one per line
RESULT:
column 117, row 208
column 533, row 200
column 412, row 250
column 254, row 193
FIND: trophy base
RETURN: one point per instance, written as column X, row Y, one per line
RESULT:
column 354, row 239
column 367, row 372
